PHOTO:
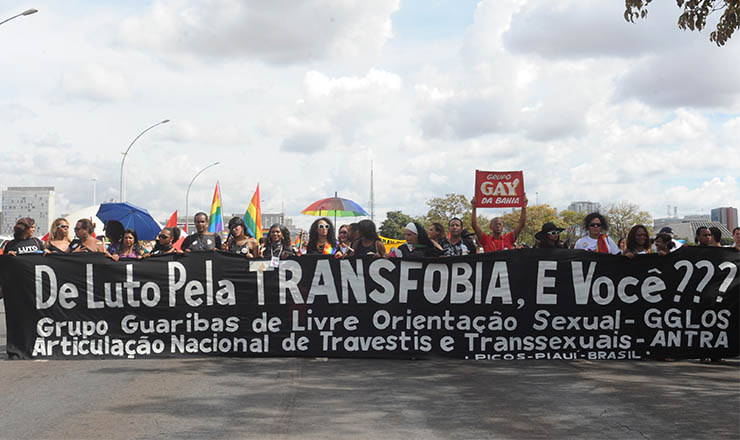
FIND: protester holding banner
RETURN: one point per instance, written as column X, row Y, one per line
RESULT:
column 239, row 241
column 436, row 233
column 368, row 242
column 23, row 241
column 716, row 238
column 59, row 237
column 321, row 239
column 130, row 246
column 202, row 240
column 417, row 244
column 597, row 239
column 457, row 244
column 667, row 230
column 637, row 242
column 498, row 241
column 165, row 240
column 277, row 243
column 703, row 236
column 344, row 242
column 114, row 232
column 85, row 241
column 736, row 237
column 663, row 244
column 549, row 237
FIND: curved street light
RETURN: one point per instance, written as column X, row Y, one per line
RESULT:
column 123, row 185
column 187, row 195
column 26, row 12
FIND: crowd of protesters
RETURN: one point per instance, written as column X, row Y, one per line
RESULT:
column 356, row 239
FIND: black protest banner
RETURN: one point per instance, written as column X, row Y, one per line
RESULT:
column 519, row 304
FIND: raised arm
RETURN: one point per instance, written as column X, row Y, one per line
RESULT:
column 522, row 220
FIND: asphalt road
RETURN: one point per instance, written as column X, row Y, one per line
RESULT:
column 341, row 398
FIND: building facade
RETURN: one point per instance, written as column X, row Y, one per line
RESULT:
column 726, row 215
column 36, row 202
column 584, row 207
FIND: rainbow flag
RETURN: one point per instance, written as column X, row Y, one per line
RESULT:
column 216, row 224
column 298, row 240
column 329, row 249
column 253, row 215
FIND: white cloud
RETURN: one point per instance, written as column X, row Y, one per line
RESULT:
column 96, row 82
column 278, row 31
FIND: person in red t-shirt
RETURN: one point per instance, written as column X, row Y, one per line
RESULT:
column 498, row 241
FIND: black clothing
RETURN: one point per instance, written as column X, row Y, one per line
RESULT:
column 463, row 247
column 314, row 250
column 55, row 250
column 205, row 242
column 30, row 245
column 277, row 250
column 235, row 248
column 418, row 250
column 360, row 249
column 160, row 250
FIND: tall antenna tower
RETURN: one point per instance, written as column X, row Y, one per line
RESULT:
column 372, row 194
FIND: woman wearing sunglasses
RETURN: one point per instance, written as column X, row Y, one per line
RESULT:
column 59, row 237
column 549, row 237
column 597, row 240
column 165, row 240
column 321, row 239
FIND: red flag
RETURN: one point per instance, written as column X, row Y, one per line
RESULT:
column 172, row 222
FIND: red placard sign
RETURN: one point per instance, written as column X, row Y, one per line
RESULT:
column 499, row 189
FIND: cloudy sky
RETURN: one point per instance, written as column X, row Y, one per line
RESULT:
column 301, row 96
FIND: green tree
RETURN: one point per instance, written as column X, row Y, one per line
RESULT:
column 570, row 218
column 394, row 224
column 622, row 216
column 694, row 16
column 537, row 215
column 443, row 209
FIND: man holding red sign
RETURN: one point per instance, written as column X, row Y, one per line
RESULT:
column 499, row 189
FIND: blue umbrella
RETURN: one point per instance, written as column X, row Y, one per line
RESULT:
column 132, row 217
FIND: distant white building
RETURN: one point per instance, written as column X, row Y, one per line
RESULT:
column 36, row 202
column 584, row 207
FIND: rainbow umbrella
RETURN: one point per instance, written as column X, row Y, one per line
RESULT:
column 336, row 207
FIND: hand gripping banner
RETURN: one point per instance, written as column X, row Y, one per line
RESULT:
column 519, row 304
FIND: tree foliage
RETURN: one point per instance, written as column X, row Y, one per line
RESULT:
column 694, row 16
column 443, row 209
column 622, row 216
column 394, row 224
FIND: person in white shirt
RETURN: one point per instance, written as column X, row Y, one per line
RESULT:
column 597, row 240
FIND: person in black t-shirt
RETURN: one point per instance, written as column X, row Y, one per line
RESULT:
column 202, row 240
column 23, row 241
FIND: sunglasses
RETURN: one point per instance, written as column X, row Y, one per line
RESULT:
column 163, row 236
column 594, row 225
column 322, row 226
column 554, row 232
column 63, row 226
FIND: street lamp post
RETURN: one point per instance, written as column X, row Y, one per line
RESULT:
column 187, row 194
column 123, row 186
column 26, row 12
